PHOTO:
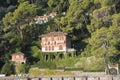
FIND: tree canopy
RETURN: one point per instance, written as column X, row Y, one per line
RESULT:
column 93, row 26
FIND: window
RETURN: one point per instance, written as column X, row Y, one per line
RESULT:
column 49, row 48
column 55, row 43
column 46, row 48
column 52, row 47
column 48, row 43
column 60, row 47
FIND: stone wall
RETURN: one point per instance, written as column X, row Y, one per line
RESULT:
column 105, row 77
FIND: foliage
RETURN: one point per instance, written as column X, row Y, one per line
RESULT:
column 67, row 62
column 34, row 71
column 89, row 23
column 95, row 65
column 49, row 72
column 36, row 52
column 22, row 68
column 16, row 33
column 8, row 69
column 46, row 64
column 58, row 6
column 103, row 35
column 90, row 64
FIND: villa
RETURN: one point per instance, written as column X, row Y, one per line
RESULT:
column 55, row 42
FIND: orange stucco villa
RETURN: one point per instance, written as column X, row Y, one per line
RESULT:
column 55, row 42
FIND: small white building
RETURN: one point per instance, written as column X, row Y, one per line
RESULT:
column 45, row 18
column 41, row 19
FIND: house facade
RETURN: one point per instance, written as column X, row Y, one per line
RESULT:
column 18, row 57
column 55, row 42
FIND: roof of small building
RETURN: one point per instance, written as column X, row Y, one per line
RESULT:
column 18, row 53
column 39, row 17
column 113, row 65
column 54, row 34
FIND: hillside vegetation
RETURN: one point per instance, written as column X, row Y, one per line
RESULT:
column 93, row 25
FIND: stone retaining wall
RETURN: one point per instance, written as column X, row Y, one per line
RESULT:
column 105, row 77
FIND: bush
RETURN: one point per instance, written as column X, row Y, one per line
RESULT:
column 90, row 64
column 22, row 68
column 46, row 64
column 67, row 62
column 34, row 72
column 73, row 69
column 8, row 69
column 49, row 72
column 94, row 64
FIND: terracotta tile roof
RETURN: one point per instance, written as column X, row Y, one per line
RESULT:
column 18, row 53
column 54, row 34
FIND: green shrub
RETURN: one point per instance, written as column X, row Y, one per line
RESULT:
column 49, row 72
column 90, row 64
column 95, row 64
column 67, row 62
column 34, row 72
column 8, row 69
column 22, row 68
column 73, row 69
column 46, row 64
